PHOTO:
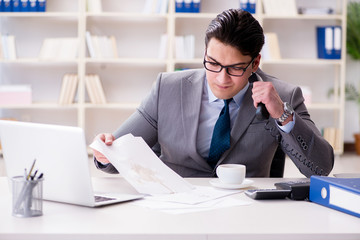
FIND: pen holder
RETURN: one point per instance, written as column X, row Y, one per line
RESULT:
column 27, row 197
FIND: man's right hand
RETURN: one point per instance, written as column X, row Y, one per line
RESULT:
column 108, row 139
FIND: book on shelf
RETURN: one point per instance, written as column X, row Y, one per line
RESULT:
column 15, row 94
column 11, row 47
column 163, row 46
column 156, row 6
column 316, row 10
column 59, row 49
column 8, row 47
column 94, row 6
column 280, row 7
column 333, row 136
column 187, row 6
column 329, row 42
column 90, row 44
column 271, row 48
column 185, row 47
column 95, row 89
column 248, row 5
column 342, row 194
column 101, row 46
column 68, row 89
column 113, row 49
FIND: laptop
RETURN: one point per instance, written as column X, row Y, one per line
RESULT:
column 61, row 155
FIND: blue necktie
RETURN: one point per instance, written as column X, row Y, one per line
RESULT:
column 220, row 141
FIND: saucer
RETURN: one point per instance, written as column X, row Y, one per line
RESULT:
column 217, row 183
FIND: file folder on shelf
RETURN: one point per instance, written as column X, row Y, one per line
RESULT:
column 179, row 6
column 16, row 6
column 248, row 5
column 32, row 7
column 24, row 6
column 196, row 6
column 329, row 42
column 41, row 5
column 6, row 6
column 188, row 6
column 342, row 194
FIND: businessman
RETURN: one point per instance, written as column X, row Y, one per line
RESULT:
column 201, row 118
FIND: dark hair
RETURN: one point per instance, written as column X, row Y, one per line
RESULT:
column 239, row 29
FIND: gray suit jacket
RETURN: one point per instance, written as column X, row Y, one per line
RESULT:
column 169, row 116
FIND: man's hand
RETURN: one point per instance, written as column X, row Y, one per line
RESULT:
column 265, row 92
column 108, row 139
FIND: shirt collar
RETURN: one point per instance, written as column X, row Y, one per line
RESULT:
column 237, row 98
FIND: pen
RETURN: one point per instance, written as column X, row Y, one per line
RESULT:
column 32, row 167
column 33, row 176
column 40, row 176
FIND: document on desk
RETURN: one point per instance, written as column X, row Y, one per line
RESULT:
column 140, row 166
column 201, row 198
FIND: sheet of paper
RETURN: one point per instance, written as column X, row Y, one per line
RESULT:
column 180, row 208
column 140, row 166
column 197, row 195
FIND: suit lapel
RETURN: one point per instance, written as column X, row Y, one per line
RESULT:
column 191, row 94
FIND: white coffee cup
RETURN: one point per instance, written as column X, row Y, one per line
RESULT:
column 231, row 173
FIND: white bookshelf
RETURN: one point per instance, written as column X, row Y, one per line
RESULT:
column 127, row 79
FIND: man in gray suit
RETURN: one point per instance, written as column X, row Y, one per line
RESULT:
column 181, row 112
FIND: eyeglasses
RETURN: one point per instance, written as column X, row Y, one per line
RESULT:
column 232, row 70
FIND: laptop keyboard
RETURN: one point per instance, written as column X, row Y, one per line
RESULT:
column 102, row 199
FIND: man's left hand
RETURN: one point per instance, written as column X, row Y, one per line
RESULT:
column 266, row 93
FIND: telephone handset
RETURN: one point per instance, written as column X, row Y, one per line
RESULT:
column 261, row 112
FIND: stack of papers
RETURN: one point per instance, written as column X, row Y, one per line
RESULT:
column 199, row 199
column 165, row 189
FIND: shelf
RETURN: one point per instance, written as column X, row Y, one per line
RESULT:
column 40, row 106
column 196, row 15
column 134, row 15
column 305, row 17
column 38, row 60
column 189, row 61
column 124, row 106
column 131, row 61
column 303, row 61
column 39, row 14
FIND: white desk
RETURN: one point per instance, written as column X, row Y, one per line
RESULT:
column 266, row 219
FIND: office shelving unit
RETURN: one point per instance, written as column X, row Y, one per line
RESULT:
column 127, row 79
